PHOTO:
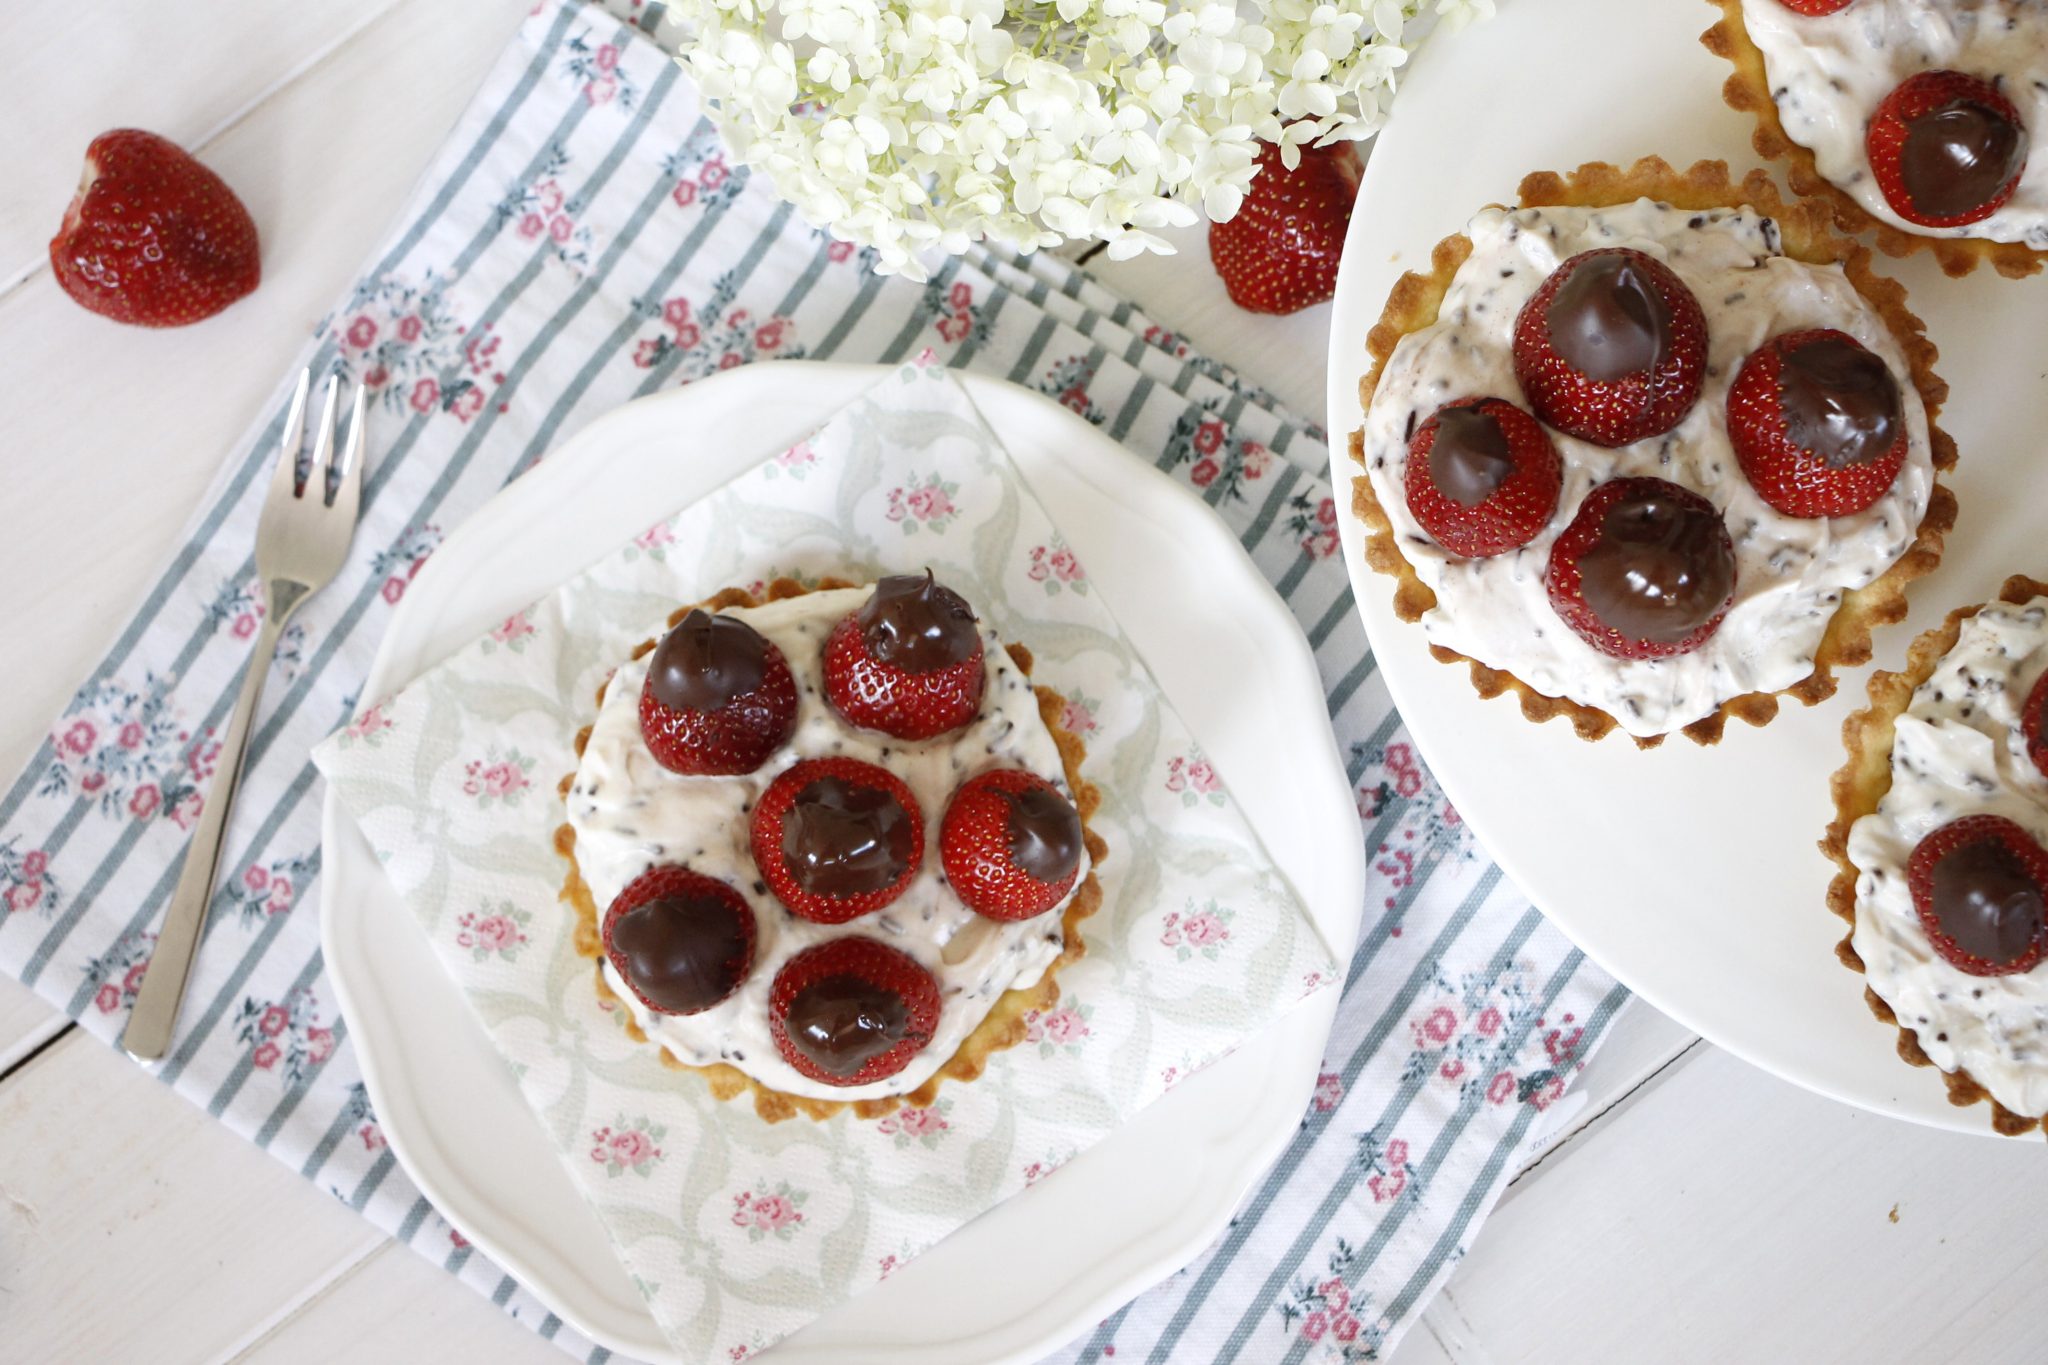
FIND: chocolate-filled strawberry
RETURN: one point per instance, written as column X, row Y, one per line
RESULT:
column 836, row 838
column 1816, row 420
column 1612, row 348
column 852, row 1010
column 1978, row 884
column 1947, row 149
column 908, row 662
column 1483, row 477
column 1646, row 570
column 1011, row 844
column 682, row 942
column 719, row 697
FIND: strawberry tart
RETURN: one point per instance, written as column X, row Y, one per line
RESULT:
column 1914, row 119
column 1650, row 450
column 1941, row 814
column 829, row 848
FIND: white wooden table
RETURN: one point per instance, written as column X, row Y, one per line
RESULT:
column 1695, row 1210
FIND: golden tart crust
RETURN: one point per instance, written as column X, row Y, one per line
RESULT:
column 1005, row 1023
column 1863, row 781
column 1804, row 230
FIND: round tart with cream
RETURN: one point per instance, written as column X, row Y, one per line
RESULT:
column 1651, row 450
column 1924, row 122
column 1941, row 837
column 829, row 848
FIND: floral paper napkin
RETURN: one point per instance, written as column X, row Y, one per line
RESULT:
column 453, row 783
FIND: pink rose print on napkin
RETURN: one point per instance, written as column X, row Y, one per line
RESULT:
column 1191, row 777
column 116, row 974
column 1327, row 1312
column 1314, row 525
column 1202, row 930
column 1055, row 567
column 699, row 341
column 955, row 315
column 1078, row 715
column 493, row 931
column 501, row 776
column 266, row 889
column 628, row 1145
column 512, row 633
column 1066, row 383
column 284, row 1036
column 368, row 729
column 924, row 1126
column 1063, row 1028
column 773, row 1213
column 923, row 504
column 402, row 562
column 797, row 462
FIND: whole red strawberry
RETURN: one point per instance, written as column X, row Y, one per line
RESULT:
column 1483, row 477
column 909, row 662
column 851, row 1010
column 1816, row 8
column 682, row 942
column 1279, row 254
column 2034, row 724
column 1947, row 149
column 1010, row 844
column 152, row 237
column 1646, row 570
column 718, row 699
column 836, row 838
column 1816, row 421
column 1612, row 348
column 1978, row 885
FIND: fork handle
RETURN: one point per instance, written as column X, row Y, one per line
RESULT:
column 155, row 1015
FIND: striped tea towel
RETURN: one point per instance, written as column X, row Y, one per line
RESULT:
column 581, row 239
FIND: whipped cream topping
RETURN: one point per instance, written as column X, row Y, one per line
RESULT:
column 630, row 813
column 1790, row 572
column 1958, row 751
column 1828, row 74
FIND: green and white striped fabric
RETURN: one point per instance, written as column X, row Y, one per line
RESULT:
column 582, row 239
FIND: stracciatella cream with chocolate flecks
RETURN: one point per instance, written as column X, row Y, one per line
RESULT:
column 1790, row 572
column 1958, row 750
column 1828, row 74
column 629, row 813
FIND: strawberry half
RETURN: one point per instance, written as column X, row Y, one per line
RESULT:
column 1978, row 885
column 1816, row 421
column 836, row 838
column 1612, row 348
column 719, row 697
column 1646, row 570
column 682, row 942
column 1010, row 844
column 1816, row 8
column 850, row 1010
column 909, row 662
column 1279, row 253
column 152, row 237
column 2034, row 724
column 1483, row 477
column 1947, row 149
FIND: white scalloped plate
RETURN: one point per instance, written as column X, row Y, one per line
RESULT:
column 1692, row 874
column 1122, row 1215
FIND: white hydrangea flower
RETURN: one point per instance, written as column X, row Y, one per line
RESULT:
column 922, row 126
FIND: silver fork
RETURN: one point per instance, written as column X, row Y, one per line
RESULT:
column 301, row 540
